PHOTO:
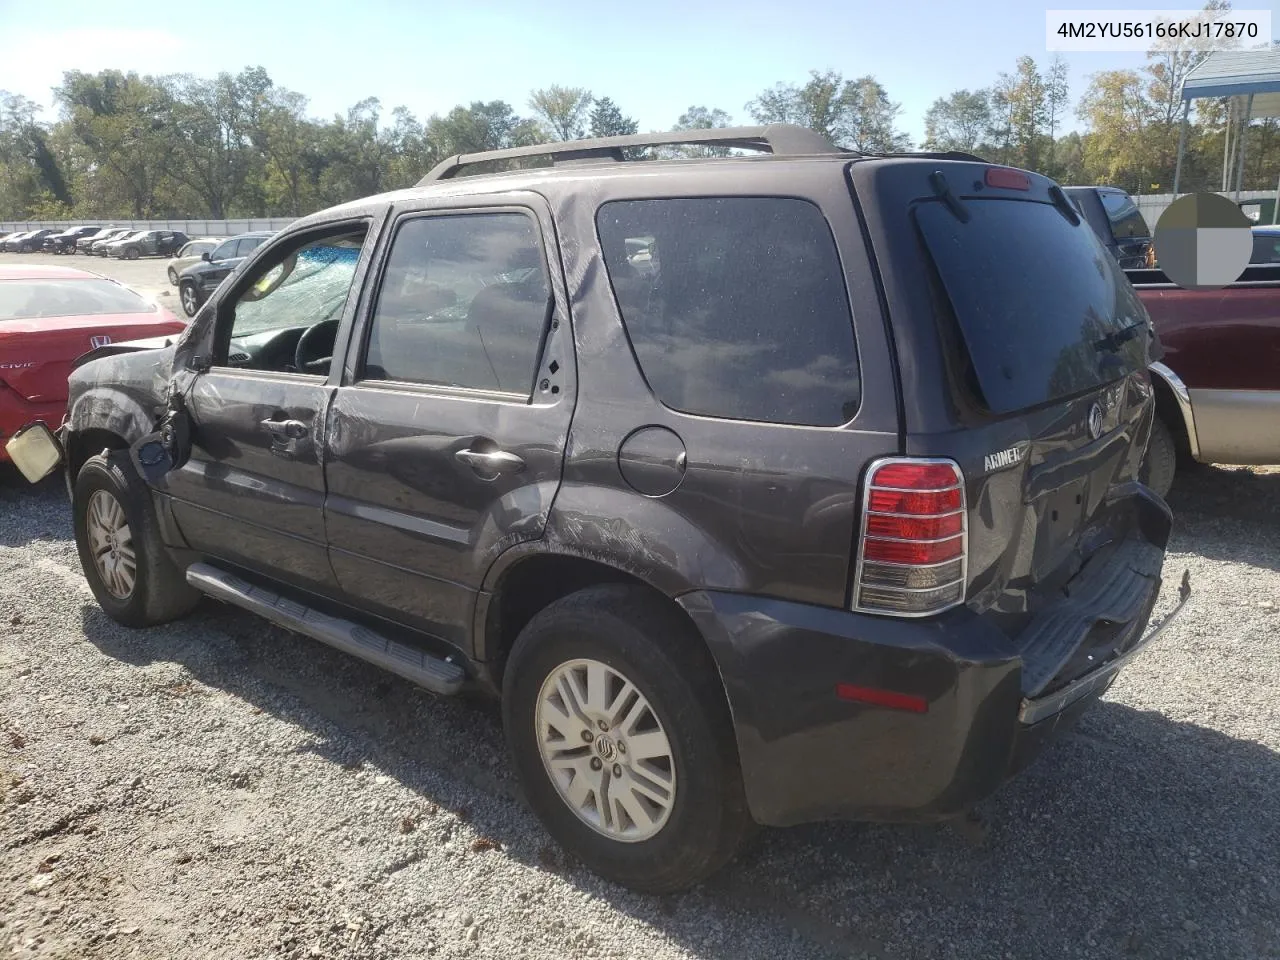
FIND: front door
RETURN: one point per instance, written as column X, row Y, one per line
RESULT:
column 447, row 436
column 252, row 492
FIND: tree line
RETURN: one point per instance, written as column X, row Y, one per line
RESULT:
column 240, row 145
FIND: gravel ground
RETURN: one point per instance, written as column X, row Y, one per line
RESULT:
column 220, row 788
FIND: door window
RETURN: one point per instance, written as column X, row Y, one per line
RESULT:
column 225, row 251
column 464, row 302
column 286, row 319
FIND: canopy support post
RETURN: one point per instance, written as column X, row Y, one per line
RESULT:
column 1182, row 147
column 1242, row 138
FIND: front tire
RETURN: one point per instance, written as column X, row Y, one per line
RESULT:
column 118, row 538
column 131, row 253
column 619, row 731
column 190, row 298
column 1160, row 462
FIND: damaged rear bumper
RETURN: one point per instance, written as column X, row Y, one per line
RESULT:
column 807, row 753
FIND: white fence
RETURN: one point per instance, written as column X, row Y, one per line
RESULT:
column 1155, row 204
column 192, row 228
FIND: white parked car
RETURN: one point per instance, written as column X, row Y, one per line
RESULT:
column 190, row 253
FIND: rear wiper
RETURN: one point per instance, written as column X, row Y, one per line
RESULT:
column 1113, row 341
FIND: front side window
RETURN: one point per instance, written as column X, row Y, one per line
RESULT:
column 735, row 306
column 287, row 317
column 464, row 302
column 225, row 251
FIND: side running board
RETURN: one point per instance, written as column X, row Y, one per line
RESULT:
column 437, row 675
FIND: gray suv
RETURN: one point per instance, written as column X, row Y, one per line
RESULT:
column 759, row 488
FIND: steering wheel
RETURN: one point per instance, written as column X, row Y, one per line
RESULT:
column 314, row 352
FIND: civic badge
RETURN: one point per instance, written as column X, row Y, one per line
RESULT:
column 99, row 341
column 1095, row 421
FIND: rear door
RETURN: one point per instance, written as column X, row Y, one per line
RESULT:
column 447, row 436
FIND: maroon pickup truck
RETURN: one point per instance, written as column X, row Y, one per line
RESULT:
column 1218, row 383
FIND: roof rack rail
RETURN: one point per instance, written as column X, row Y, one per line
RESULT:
column 780, row 139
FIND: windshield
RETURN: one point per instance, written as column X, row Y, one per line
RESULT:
column 1044, row 310
column 30, row 299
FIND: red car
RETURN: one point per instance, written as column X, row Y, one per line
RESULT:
column 49, row 316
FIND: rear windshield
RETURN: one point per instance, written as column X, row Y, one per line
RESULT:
column 1126, row 219
column 30, row 299
column 1044, row 309
column 735, row 306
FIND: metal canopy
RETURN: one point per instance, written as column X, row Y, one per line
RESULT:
column 1252, row 76
column 1234, row 73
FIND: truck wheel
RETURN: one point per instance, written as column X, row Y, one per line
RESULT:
column 1160, row 462
column 118, row 538
column 620, row 734
column 190, row 298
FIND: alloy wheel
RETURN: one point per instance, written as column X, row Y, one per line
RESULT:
column 111, row 543
column 606, row 750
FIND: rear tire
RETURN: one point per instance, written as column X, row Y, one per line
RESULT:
column 1161, row 460
column 628, row 637
column 131, row 253
column 114, row 517
column 173, row 277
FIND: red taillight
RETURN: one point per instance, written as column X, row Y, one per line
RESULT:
column 902, row 501
column 914, row 528
column 913, row 547
column 905, row 475
column 1007, row 179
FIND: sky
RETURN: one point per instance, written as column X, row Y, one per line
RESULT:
column 655, row 58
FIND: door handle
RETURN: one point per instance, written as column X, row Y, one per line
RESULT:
column 491, row 462
column 285, row 429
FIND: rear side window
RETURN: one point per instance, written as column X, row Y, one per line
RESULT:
column 1126, row 219
column 464, row 302
column 735, row 306
column 1044, row 309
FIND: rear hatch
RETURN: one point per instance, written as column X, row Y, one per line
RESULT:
column 1023, row 351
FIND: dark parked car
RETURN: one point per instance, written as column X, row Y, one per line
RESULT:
column 1116, row 220
column 199, row 280
column 65, row 242
column 783, row 527
column 12, row 235
column 95, row 244
column 29, row 242
column 149, row 243
column 84, row 244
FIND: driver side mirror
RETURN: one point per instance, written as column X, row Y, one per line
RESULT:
column 207, row 257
